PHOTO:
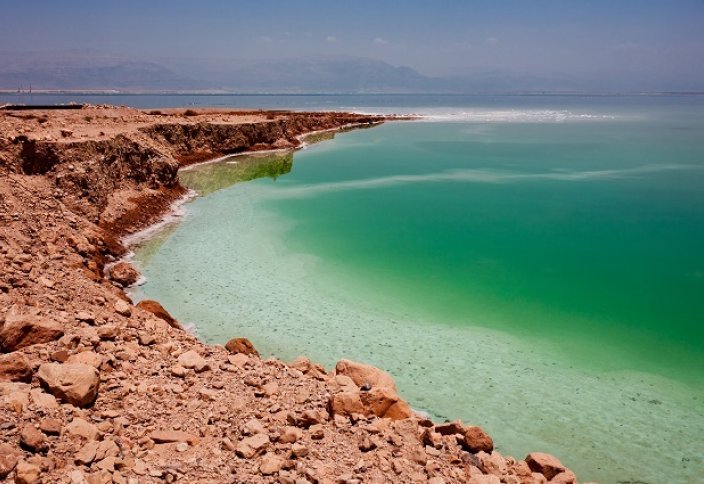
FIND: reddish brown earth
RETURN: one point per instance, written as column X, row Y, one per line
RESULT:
column 95, row 389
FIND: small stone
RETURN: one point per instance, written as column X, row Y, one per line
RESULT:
column 33, row 440
column 122, row 308
column 191, row 359
column 86, row 454
column 251, row 446
column 82, row 428
column 181, row 447
column 299, row 450
column 85, row 316
column 50, row 426
column 289, row 435
column 26, row 473
column 146, row 339
column 15, row 367
column 253, row 427
column 8, row 461
column 271, row 464
column 168, row 436
column 178, row 371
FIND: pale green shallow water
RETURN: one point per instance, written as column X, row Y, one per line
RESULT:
column 538, row 274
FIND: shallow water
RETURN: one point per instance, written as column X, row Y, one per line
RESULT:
column 538, row 272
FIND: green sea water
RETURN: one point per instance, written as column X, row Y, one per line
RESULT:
column 536, row 272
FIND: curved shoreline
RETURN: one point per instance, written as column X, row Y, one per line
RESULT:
column 67, row 194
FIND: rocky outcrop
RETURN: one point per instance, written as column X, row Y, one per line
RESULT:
column 15, row 367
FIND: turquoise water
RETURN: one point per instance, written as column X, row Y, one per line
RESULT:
column 536, row 270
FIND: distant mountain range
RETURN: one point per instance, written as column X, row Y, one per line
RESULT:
column 90, row 71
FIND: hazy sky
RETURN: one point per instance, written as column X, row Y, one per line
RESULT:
column 618, row 38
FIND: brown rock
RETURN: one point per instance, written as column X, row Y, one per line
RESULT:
column 380, row 401
column 33, row 440
column 50, row 426
column 546, row 464
column 346, row 404
column 484, row 479
column 241, row 345
column 124, row 274
column 8, row 459
column 271, row 465
column 107, row 332
column 399, row 411
column 26, row 473
column 169, row 436
column 83, row 429
column 86, row 454
column 90, row 358
column 15, row 367
column 191, row 359
column 565, row 477
column 365, row 375
column 289, row 435
column 122, row 308
column 158, row 310
column 476, row 440
column 20, row 331
column 450, row 428
column 76, row 384
column 251, row 446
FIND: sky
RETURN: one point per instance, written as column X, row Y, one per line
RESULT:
column 619, row 39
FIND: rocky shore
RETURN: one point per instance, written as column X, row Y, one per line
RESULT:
column 96, row 389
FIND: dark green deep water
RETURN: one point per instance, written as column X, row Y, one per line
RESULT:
column 542, row 276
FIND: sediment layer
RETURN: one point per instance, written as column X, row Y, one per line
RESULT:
column 96, row 389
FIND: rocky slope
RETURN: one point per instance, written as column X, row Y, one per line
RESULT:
column 96, row 389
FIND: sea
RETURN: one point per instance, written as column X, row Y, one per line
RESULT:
column 533, row 264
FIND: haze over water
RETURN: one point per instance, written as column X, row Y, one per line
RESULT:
column 529, row 264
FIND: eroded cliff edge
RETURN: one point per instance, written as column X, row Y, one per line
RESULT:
column 95, row 389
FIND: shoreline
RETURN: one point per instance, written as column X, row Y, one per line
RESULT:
column 73, row 184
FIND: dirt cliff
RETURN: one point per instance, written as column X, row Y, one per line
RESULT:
column 95, row 389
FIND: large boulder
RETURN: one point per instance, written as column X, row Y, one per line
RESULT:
column 241, row 345
column 545, row 464
column 365, row 375
column 158, row 310
column 76, row 384
column 15, row 367
column 21, row 330
column 124, row 274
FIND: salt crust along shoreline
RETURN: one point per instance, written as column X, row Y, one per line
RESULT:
column 94, row 389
